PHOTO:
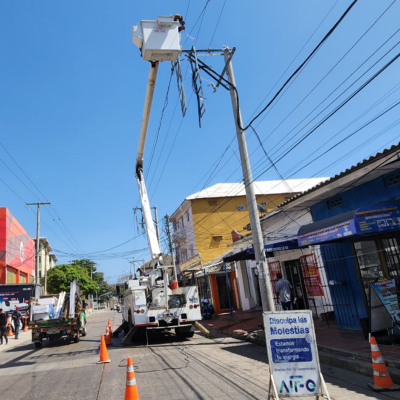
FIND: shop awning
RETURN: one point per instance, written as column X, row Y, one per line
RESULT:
column 375, row 218
column 248, row 254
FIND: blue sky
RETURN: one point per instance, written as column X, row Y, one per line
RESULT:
column 72, row 92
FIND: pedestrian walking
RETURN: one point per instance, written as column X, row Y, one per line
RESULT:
column 16, row 317
column 284, row 292
column 3, row 326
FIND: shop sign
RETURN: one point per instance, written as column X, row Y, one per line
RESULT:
column 378, row 218
column 333, row 232
column 12, row 296
column 193, row 264
column 371, row 219
column 274, row 270
column 388, row 294
column 311, row 276
column 292, row 354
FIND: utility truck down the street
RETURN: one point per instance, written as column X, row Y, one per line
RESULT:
column 53, row 317
column 154, row 300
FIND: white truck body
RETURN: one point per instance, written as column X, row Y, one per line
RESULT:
column 141, row 311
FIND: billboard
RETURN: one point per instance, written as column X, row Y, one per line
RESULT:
column 15, row 295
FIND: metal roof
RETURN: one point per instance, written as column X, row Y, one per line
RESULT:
column 260, row 188
column 371, row 168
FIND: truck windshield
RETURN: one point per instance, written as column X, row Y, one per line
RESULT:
column 176, row 300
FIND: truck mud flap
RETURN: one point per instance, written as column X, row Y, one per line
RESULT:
column 120, row 329
column 128, row 338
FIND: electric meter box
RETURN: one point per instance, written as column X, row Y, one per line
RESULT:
column 158, row 40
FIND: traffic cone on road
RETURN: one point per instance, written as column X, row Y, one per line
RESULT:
column 109, row 324
column 131, row 392
column 382, row 380
column 10, row 332
column 103, row 352
column 26, row 323
column 110, row 331
column 108, row 336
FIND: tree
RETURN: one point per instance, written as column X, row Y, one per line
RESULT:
column 59, row 279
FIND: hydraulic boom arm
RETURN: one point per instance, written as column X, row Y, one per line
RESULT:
column 148, row 219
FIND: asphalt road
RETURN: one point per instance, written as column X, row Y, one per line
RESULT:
column 167, row 368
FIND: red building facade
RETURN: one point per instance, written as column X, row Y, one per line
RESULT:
column 17, row 251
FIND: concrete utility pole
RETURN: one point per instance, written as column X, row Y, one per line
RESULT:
column 37, row 237
column 171, row 249
column 258, row 243
column 45, row 269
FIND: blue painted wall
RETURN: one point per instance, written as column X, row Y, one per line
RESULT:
column 366, row 194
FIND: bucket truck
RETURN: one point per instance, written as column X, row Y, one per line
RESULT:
column 154, row 300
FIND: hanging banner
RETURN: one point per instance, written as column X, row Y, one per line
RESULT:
column 292, row 353
column 388, row 293
column 312, row 279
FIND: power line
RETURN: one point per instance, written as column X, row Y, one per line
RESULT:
column 299, row 68
column 30, row 180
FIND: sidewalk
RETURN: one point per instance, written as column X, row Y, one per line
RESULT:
column 23, row 337
column 343, row 348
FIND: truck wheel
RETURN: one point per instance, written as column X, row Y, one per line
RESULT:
column 183, row 333
column 76, row 338
column 38, row 345
column 84, row 331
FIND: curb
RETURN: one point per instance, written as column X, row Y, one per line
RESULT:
column 348, row 360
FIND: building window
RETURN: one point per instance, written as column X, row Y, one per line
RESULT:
column 392, row 179
column 241, row 207
column 11, row 275
column 212, row 202
column 181, row 220
column 334, row 202
column 191, row 251
column 187, row 216
column 40, row 261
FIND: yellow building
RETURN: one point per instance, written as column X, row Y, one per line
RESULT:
column 204, row 222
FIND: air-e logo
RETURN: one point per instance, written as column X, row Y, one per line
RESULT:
column 295, row 384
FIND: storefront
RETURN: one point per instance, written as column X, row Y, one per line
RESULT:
column 368, row 242
column 17, row 251
column 356, row 222
column 217, row 282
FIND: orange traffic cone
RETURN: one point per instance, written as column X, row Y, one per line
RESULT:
column 382, row 380
column 110, row 330
column 108, row 337
column 131, row 392
column 10, row 332
column 26, row 324
column 103, row 352
column 109, row 324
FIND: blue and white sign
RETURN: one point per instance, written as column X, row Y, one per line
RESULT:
column 292, row 353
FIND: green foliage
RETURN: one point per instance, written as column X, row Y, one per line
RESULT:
column 60, row 277
column 98, row 277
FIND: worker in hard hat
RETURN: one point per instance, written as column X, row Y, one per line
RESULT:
column 207, row 309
